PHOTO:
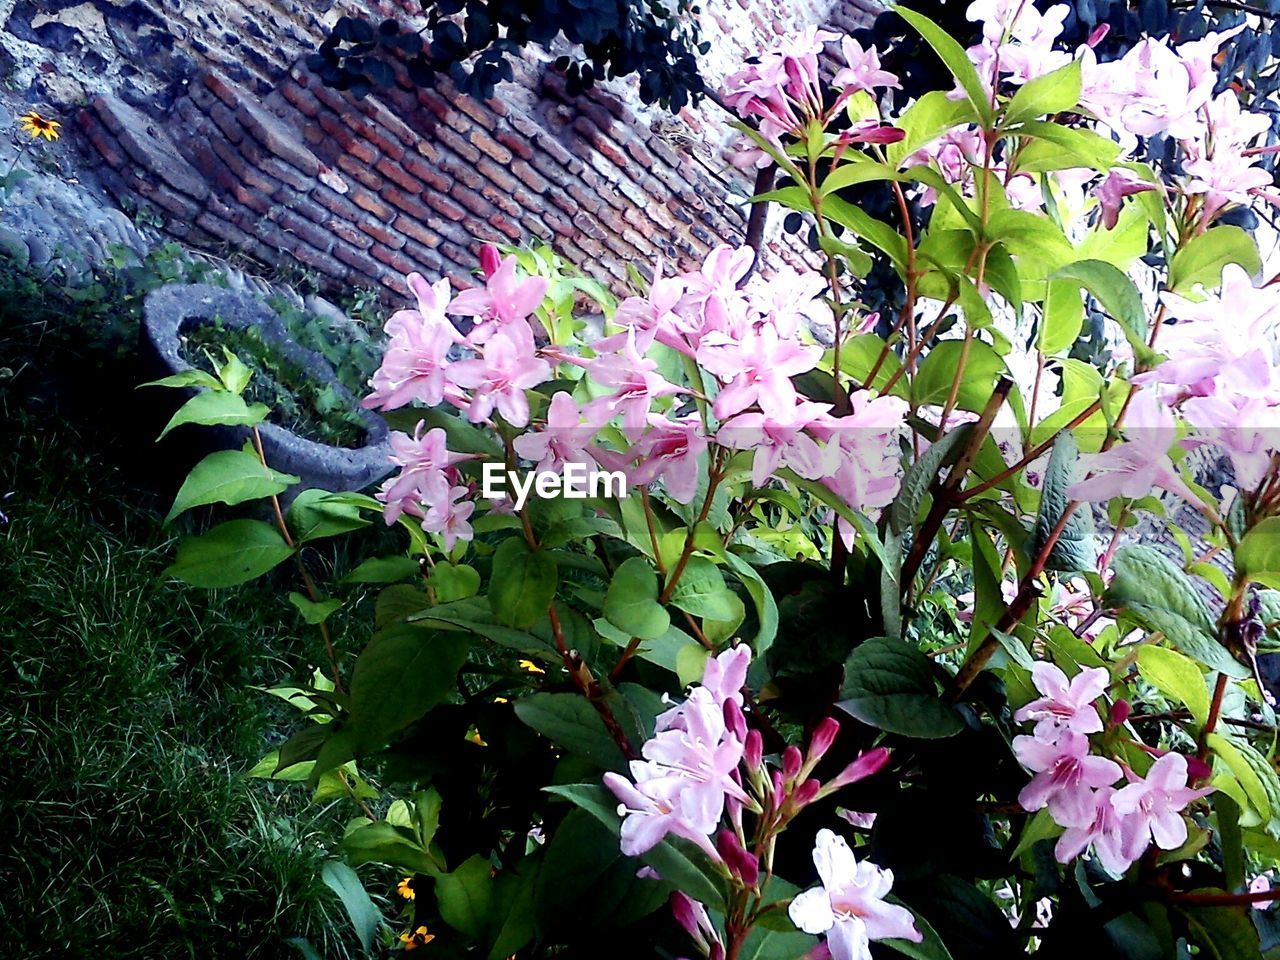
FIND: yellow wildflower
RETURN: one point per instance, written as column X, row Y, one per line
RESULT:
column 419, row 938
column 36, row 126
column 531, row 666
column 405, row 888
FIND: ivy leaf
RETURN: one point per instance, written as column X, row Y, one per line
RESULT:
column 1154, row 591
column 402, row 673
column 231, row 553
column 230, row 477
column 631, row 603
column 523, row 584
column 888, row 684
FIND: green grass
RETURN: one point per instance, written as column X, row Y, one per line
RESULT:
column 130, row 712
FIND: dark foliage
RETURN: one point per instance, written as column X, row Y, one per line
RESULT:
column 474, row 41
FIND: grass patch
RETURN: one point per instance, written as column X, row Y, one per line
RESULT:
column 130, row 710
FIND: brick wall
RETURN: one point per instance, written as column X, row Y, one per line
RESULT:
column 256, row 155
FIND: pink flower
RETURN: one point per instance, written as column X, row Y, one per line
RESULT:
column 756, row 369
column 1064, row 706
column 693, row 917
column 1115, row 838
column 849, row 907
column 449, row 517
column 1140, row 465
column 776, row 440
column 413, row 367
column 635, row 383
column 1158, row 800
column 643, row 317
column 651, row 808
column 1115, row 186
column 566, row 439
column 503, row 299
column 1065, row 776
column 1261, row 884
column 499, row 379
column 670, row 450
column 423, row 460
column 861, row 70
column 723, row 678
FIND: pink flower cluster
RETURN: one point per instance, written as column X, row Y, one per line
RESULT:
column 1078, row 788
column 783, row 91
column 1222, row 379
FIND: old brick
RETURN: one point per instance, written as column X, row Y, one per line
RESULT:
column 429, row 173
column 558, row 223
column 501, row 223
column 472, row 201
column 513, row 141
column 426, row 259
column 363, row 151
column 382, row 233
column 268, row 130
column 335, row 203
column 413, row 228
column 301, row 97
column 489, row 146
column 224, row 230
column 343, row 230
column 356, row 259
column 396, row 173
column 384, row 141
column 529, row 177
column 222, row 88
column 449, row 138
column 104, row 143
column 368, row 202
column 392, row 258
column 443, row 205
column 317, row 260
column 305, row 230
column 332, row 124
column 409, row 203
column 360, row 171
column 224, row 119
column 497, row 175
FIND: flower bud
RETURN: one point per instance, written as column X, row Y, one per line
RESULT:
column 753, row 750
column 741, row 864
column 792, row 761
column 1120, row 711
column 806, row 792
column 1099, row 34
column 735, row 719
column 490, row 260
column 871, row 762
column 824, row 735
column 686, row 911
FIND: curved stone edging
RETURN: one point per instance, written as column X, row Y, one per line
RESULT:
column 171, row 309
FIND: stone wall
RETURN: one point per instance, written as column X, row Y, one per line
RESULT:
column 239, row 147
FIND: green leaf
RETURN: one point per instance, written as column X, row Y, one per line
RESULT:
column 1037, row 828
column 678, row 862
column 1258, row 556
column 930, row 948
column 212, row 408
column 383, row 570
column 957, row 61
column 570, row 721
column 229, row 554
column 314, row 612
column 523, row 584
column 1076, row 550
column 402, row 673
column 888, row 684
column 1202, row 258
column 1177, row 677
column 475, row 616
column 938, row 372
column 1055, row 147
column 1036, row 243
column 233, row 373
column 762, row 598
column 1151, row 589
column 315, row 514
column 511, row 921
column 364, row 916
column 454, row 581
column 1114, row 291
column 701, row 591
column 1252, row 770
column 465, row 896
column 1062, row 317
column 921, row 475
column 383, row 842
column 1047, row 94
column 925, row 120
column 192, row 377
column 631, row 603
column 876, row 232
column 230, row 477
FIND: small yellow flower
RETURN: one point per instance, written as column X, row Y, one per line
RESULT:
column 531, row 666
column 419, row 938
column 405, row 888
column 36, row 126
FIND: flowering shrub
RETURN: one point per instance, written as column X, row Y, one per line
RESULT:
column 896, row 608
